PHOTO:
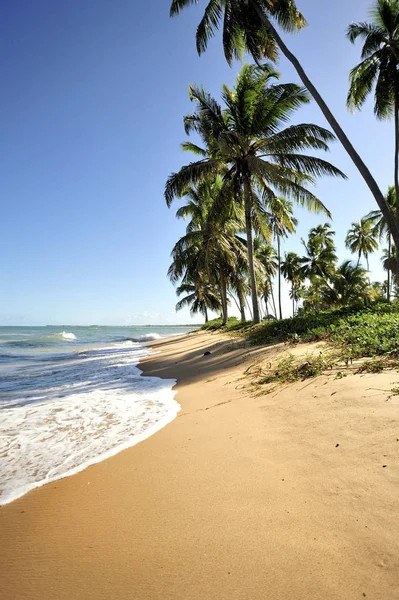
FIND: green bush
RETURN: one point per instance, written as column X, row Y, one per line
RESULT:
column 363, row 332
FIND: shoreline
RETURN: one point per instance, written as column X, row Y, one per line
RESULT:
column 130, row 443
column 240, row 496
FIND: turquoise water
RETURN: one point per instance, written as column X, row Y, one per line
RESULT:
column 72, row 396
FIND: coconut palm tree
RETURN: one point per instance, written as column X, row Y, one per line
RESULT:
column 211, row 251
column 319, row 263
column 361, row 240
column 381, row 231
column 291, row 270
column 248, row 26
column 267, row 257
column 379, row 69
column 349, row 285
column 259, row 157
column 200, row 297
column 282, row 223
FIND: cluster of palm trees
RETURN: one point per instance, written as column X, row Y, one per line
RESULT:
column 253, row 165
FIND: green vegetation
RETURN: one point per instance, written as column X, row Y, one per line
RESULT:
column 255, row 162
column 289, row 369
column 366, row 332
column 253, row 26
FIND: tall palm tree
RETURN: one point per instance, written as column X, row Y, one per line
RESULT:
column 211, row 249
column 381, row 231
column 247, row 26
column 361, row 240
column 247, row 142
column 267, row 257
column 319, row 263
column 282, row 223
column 291, row 269
column 379, row 69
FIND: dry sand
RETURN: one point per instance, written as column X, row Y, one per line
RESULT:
column 241, row 497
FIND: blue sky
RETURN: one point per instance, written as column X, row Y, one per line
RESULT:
column 93, row 95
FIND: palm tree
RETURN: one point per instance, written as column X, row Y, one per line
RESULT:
column 379, row 69
column 291, row 269
column 389, row 262
column 381, row 230
column 282, row 223
column 361, row 239
column 258, row 157
column 267, row 257
column 248, row 27
column 319, row 263
column 200, row 297
column 211, row 250
column 349, row 285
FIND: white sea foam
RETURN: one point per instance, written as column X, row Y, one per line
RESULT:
column 89, row 409
column 66, row 335
column 147, row 337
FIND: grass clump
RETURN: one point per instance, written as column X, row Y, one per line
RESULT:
column 289, row 369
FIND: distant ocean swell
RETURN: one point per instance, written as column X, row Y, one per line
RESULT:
column 57, row 417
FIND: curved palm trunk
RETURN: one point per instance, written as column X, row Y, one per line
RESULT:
column 389, row 270
column 223, row 296
column 250, row 245
column 393, row 225
column 279, row 278
column 206, row 314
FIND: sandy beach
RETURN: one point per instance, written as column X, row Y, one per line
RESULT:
column 290, row 495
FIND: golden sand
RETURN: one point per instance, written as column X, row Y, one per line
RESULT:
column 288, row 496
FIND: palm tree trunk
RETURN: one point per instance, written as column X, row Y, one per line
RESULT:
column 358, row 260
column 250, row 244
column 397, row 166
column 241, row 300
column 389, row 270
column 393, row 226
column 206, row 314
column 273, row 302
column 223, row 296
column 279, row 277
column 293, row 299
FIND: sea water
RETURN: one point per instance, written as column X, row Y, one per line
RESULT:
column 73, row 396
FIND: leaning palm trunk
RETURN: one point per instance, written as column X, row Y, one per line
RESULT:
column 279, row 278
column 250, row 244
column 393, row 225
column 206, row 314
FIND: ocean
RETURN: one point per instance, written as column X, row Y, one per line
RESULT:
column 73, row 396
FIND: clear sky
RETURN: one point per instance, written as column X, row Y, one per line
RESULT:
column 93, row 95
